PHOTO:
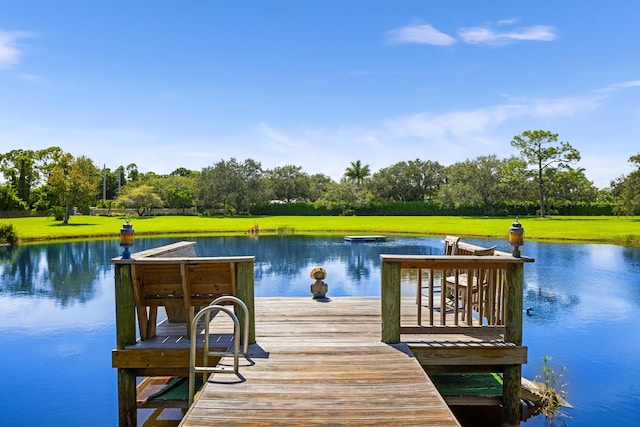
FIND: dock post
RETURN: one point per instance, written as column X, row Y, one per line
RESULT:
column 513, row 334
column 245, row 291
column 125, row 335
column 390, row 300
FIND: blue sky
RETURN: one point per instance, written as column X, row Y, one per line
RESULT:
column 319, row 84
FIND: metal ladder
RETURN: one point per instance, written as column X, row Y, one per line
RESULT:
column 205, row 369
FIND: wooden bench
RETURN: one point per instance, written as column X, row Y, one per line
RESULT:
column 182, row 286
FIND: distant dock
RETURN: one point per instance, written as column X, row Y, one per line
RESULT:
column 365, row 238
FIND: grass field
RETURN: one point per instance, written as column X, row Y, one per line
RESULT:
column 618, row 230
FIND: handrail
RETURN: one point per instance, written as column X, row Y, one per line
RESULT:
column 238, row 301
column 205, row 369
column 187, row 260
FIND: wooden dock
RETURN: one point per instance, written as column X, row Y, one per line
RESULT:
column 322, row 363
column 338, row 361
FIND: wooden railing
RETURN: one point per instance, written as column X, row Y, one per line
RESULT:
column 461, row 296
column 508, row 273
column 496, row 302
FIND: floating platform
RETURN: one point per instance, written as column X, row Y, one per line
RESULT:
column 365, row 238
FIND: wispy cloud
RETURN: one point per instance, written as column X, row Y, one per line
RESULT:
column 279, row 140
column 509, row 21
column 476, row 121
column 464, row 133
column 420, row 34
column 489, row 35
column 619, row 86
column 492, row 34
column 9, row 52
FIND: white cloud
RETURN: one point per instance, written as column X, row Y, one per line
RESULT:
column 488, row 35
column 446, row 137
column 476, row 121
column 480, row 35
column 620, row 86
column 9, row 52
column 279, row 140
column 421, row 34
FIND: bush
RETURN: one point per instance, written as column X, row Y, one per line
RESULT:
column 8, row 234
column 57, row 212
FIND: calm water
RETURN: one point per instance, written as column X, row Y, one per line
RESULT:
column 57, row 318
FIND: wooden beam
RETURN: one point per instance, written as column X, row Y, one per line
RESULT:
column 453, row 261
column 390, row 302
column 462, row 369
column 244, row 288
column 178, row 249
column 469, row 355
column 445, row 329
column 511, row 390
column 125, row 307
column 157, row 358
column 472, row 401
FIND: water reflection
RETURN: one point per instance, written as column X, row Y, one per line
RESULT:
column 283, row 264
column 65, row 272
column 57, row 316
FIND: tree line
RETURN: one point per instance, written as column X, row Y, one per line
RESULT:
column 542, row 175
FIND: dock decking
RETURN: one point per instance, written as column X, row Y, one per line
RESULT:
column 321, row 363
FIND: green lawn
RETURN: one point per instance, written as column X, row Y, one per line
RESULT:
column 619, row 230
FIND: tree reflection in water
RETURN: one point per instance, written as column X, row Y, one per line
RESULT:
column 585, row 301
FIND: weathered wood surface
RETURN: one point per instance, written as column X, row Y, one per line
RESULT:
column 178, row 249
column 322, row 363
column 374, row 384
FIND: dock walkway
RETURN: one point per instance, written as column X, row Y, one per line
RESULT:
column 321, row 363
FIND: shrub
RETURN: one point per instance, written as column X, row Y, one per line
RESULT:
column 57, row 212
column 8, row 234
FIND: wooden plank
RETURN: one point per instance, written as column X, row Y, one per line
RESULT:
column 445, row 329
column 156, row 358
column 180, row 259
column 321, row 364
column 470, row 355
column 318, row 383
column 446, row 262
column 173, row 249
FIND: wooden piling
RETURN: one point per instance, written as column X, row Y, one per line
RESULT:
column 513, row 334
column 390, row 302
column 125, row 335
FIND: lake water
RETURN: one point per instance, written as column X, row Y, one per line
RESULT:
column 57, row 317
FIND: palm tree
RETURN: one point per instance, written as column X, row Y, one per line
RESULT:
column 357, row 173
